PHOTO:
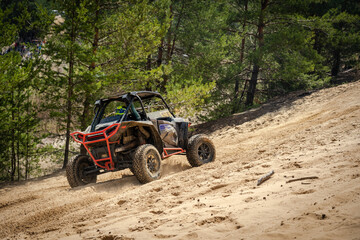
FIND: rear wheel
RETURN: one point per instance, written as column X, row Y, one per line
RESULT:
column 200, row 150
column 147, row 163
column 75, row 171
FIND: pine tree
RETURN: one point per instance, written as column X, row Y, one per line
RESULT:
column 17, row 85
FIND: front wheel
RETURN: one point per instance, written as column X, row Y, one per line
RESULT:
column 75, row 171
column 200, row 150
column 147, row 163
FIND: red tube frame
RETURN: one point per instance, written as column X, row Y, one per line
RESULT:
column 166, row 155
column 110, row 164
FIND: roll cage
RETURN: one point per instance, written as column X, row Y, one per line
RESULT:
column 129, row 99
column 103, row 143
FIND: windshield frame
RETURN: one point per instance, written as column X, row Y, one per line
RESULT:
column 101, row 110
column 163, row 101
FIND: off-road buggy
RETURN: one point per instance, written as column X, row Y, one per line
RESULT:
column 136, row 131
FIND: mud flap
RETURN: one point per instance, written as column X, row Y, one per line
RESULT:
column 183, row 134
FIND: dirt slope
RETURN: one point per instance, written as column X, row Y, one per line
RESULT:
column 315, row 134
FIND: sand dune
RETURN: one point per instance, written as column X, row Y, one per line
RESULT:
column 308, row 134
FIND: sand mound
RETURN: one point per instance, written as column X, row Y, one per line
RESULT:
column 314, row 134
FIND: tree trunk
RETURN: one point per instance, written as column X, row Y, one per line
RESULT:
column 69, row 94
column 86, row 112
column 27, row 167
column 95, row 44
column 336, row 64
column 171, row 52
column 237, row 80
column 18, row 157
column 13, row 158
column 256, row 67
column 317, row 41
column 18, row 138
column 27, row 152
column 69, row 109
column 148, row 63
column 168, row 52
column 148, row 68
column 160, row 53
column 171, row 40
column 252, row 86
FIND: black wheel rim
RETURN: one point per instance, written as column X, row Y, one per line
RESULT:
column 204, row 152
column 153, row 163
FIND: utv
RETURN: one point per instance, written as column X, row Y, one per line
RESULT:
column 136, row 131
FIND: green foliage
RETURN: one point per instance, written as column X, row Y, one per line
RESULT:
column 19, row 120
column 296, row 65
column 138, row 33
column 26, row 18
column 19, row 21
column 297, row 49
column 7, row 36
column 197, row 29
column 188, row 96
column 336, row 32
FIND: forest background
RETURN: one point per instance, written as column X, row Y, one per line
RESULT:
column 210, row 59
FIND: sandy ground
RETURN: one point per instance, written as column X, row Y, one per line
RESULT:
column 309, row 134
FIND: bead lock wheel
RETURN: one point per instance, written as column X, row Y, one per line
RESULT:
column 153, row 165
column 204, row 152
